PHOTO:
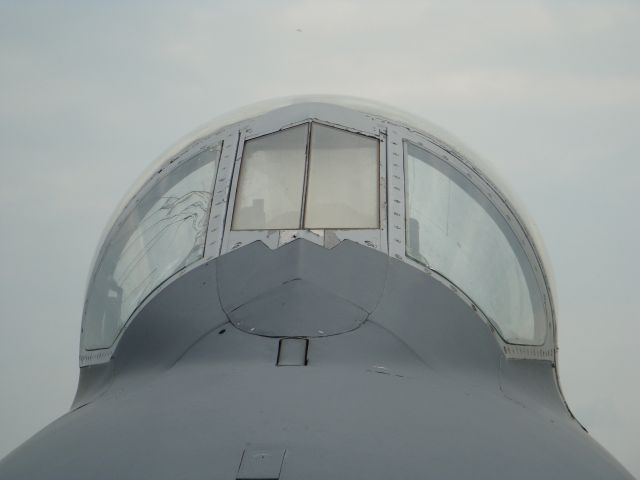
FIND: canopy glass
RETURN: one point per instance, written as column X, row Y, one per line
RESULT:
column 163, row 233
column 329, row 177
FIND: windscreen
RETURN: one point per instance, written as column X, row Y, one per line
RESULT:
column 342, row 190
column 311, row 176
column 271, row 180
column 458, row 232
column 162, row 234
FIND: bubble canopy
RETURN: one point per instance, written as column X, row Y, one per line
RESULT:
column 325, row 169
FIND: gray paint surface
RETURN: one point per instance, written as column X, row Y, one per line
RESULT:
column 302, row 299
column 187, row 394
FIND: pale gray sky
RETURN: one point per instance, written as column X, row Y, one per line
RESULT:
column 549, row 91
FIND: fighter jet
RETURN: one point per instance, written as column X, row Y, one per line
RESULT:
column 318, row 288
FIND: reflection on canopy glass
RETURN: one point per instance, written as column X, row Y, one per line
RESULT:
column 164, row 232
column 458, row 232
column 271, row 180
column 340, row 170
column 343, row 180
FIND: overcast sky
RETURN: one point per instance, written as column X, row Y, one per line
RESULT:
column 549, row 91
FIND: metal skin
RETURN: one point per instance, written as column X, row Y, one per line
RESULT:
column 402, row 380
column 315, row 355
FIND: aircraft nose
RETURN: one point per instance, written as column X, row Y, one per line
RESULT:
column 301, row 289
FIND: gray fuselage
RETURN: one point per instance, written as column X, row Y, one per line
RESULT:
column 404, row 382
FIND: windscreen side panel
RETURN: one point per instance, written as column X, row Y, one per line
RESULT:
column 457, row 231
column 162, row 234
